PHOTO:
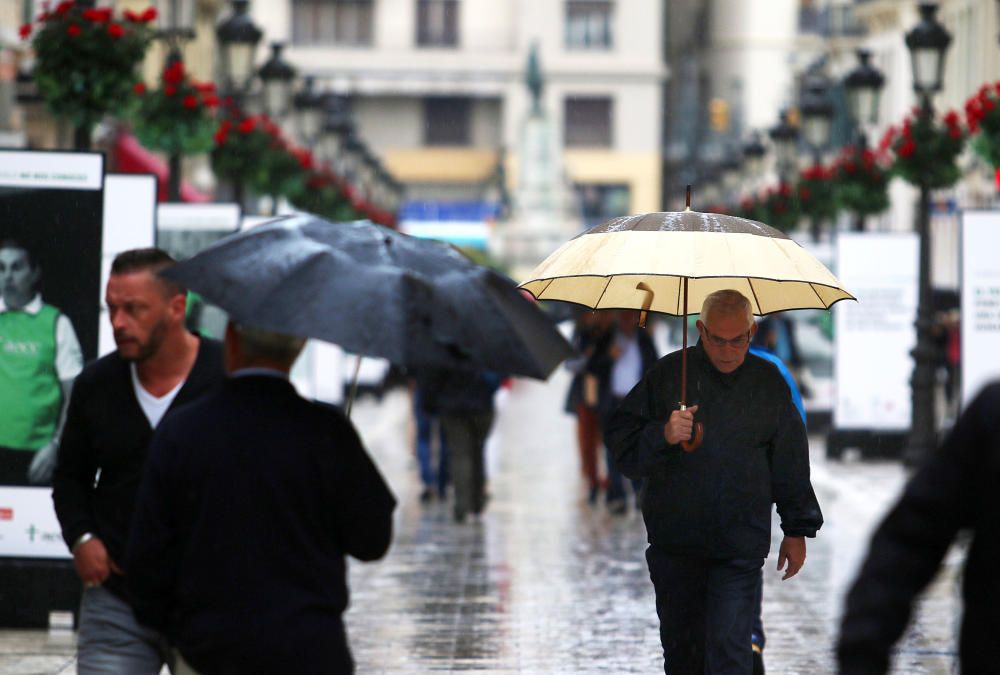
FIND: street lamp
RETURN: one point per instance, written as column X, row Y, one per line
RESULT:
column 175, row 26
column 864, row 85
column 277, row 76
column 817, row 121
column 238, row 37
column 785, row 137
column 753, row 158
column 308, row 105
column 336, row 128
column 927, row 43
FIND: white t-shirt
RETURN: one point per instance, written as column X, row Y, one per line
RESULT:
column 155, row 407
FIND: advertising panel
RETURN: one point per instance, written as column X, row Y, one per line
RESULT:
column 980, row 322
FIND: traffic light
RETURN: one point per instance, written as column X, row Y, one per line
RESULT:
column 718, row 114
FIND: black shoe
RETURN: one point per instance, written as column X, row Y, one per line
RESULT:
column 617, row 507
column 758, row 662
column 426, row 495
column 592, row 496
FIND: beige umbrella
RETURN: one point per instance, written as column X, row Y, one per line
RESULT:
column 666, row 262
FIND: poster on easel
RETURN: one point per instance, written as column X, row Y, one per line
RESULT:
column 980, row 303
column 51, row 224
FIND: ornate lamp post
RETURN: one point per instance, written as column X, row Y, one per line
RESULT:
column 336, row 128
column 864, row 85
column 277, row 76
column 927, row 42
column 238, row 36
column 817, row 121
column 175, row 26
column 785, row 137
column 308, row 105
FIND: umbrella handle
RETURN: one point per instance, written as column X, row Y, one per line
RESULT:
column 642, row 286
column 697, row 436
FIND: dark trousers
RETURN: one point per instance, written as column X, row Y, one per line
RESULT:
column 706, row 609
column 616, row 481
column 466, row 435
column 431, row 478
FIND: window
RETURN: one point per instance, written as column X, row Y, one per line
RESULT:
column 437, row 23
column 587, row 122
column 447, row 121
column 588, row 24
column 336, row 22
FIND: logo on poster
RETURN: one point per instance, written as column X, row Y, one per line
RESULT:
column 6, row 513
column 42, row 535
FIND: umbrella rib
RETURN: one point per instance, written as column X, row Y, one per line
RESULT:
column 818, row 296
column 601, row 297
column 755, row 298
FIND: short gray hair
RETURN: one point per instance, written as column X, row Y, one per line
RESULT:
column 728, row 302
column 257, row 343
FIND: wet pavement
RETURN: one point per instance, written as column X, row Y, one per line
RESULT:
column 543, row 582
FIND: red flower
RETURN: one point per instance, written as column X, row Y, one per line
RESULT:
column 24, row 31
column 115, row 30
column 204, row 87
column 247, row 125
column 139, row 88
column 211, row 100
column 132, row 16
column 100, row 15
column 190, row 102
column 73, row 30
column 170, row 89
column 804, row 194
column 906, row 149
column 951, row 119
column 148, row 15
column 955, row 133
column 64, row 7
column 174, row 73
column 220, row 135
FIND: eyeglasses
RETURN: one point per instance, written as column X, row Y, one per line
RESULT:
column 738, row 342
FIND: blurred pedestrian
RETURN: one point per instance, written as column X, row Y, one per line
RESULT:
column 117, row 401
column 251, row 499
column 39, row 358
column 434, row 476
column 954, row 491
column 463, row 400
column 707, row 510
column 621, row 357
column 583, row 396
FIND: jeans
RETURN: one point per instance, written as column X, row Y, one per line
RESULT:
column 112, row 642
column 706, row 609
column 437, row 480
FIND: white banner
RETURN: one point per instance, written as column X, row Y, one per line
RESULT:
column 28, row 525
column 51, row 170
column 980, row 327
column 874, row 336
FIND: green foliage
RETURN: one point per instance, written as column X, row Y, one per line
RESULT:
column 817, row 193
column 86, row 59
column 779, row 208
column 253, row 152
column 322, row 196
column 176, row 118
column 861, row 181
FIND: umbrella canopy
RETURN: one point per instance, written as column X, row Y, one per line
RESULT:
column 602, row 267
column 373, row 291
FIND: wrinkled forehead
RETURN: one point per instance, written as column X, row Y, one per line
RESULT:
column 724, row 319
column 135, row 285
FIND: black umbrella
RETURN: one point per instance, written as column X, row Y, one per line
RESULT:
column 416, row 302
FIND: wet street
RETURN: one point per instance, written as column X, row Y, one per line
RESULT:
column 545, row 583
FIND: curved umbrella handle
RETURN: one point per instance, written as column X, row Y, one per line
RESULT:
column 697, row 436
column 643, row 286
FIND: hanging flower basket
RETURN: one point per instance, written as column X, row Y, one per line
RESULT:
column 982, row 116
column 861, row 181
column 779, row 207
column 86, row 59
column 252, row 151
column 322, row 195
column 817, row 193
column 925, row 152
column 178, row 117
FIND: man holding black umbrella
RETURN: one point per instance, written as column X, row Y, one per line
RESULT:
column 707, row 509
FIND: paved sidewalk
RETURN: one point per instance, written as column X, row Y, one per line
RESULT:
column 544, row 583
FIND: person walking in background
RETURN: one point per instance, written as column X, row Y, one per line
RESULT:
column 582, row 398
column 117, row 401
column 251, row 499
column 620, row 359
column 434, row 478
column 954, row 491
column 463, row 401
column 39, row 358
column 707, row 510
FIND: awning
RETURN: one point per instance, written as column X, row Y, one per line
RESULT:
column 131, row 157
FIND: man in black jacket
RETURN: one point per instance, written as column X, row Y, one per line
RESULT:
column 708, row 511
column 955, row 490
column 252, row 498
column 116, row 403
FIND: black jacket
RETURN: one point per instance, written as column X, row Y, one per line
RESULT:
column 716, row 501
column 252, row 498
column 955, row 490
column 106, row 430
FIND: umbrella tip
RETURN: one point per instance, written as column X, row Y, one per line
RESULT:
column 687, row 201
